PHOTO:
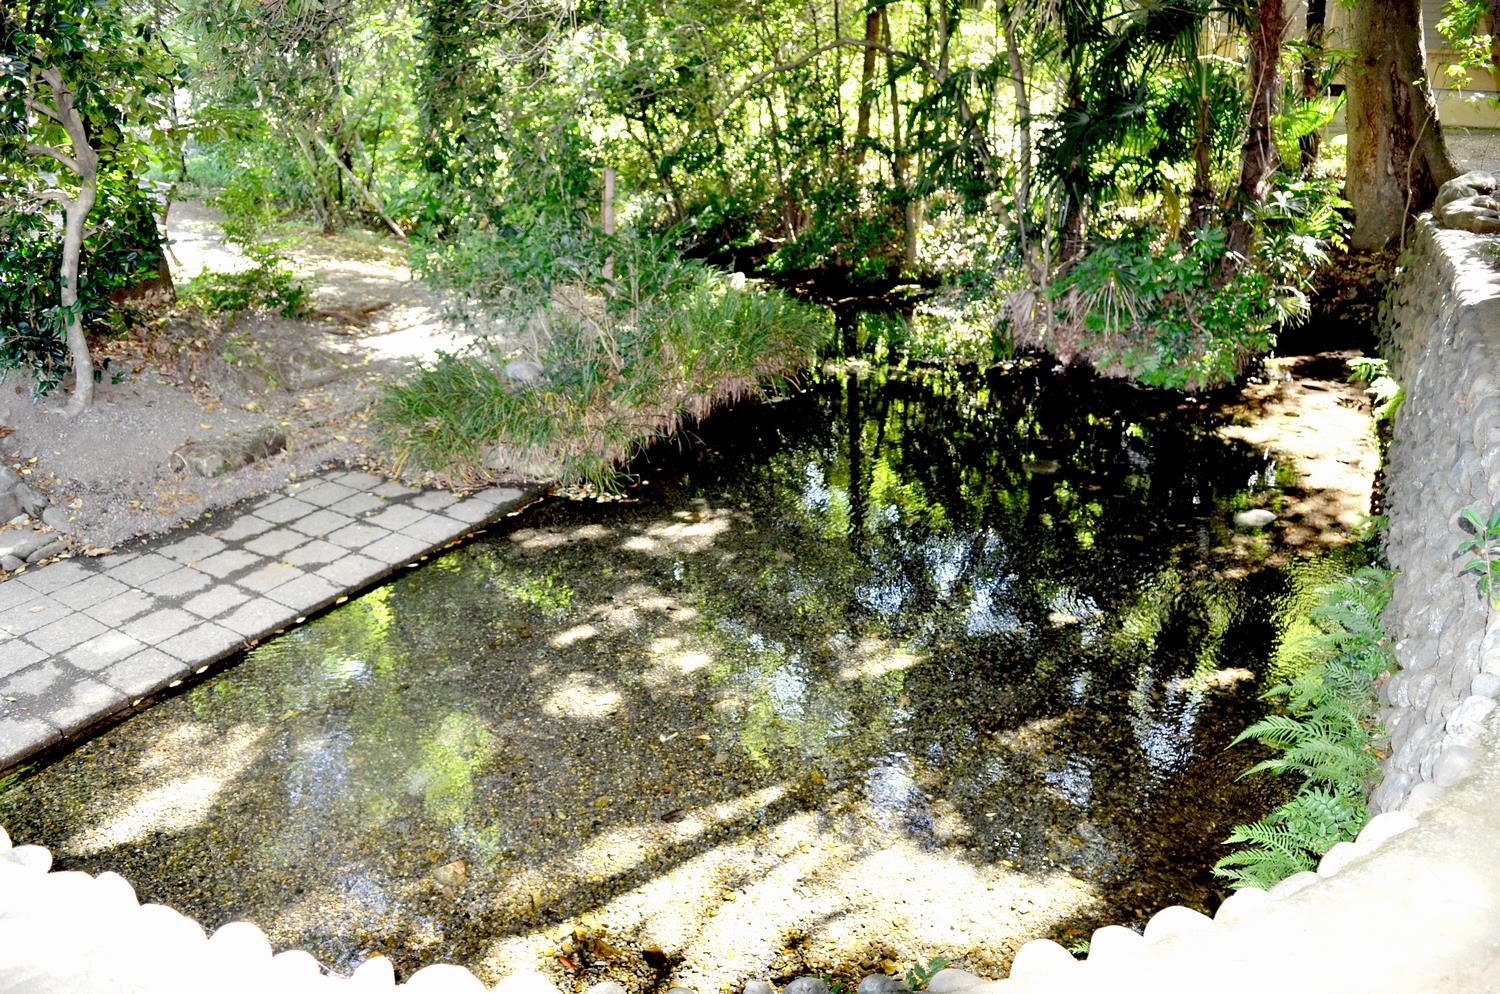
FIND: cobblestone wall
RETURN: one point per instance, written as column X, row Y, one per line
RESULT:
column 1445, row 313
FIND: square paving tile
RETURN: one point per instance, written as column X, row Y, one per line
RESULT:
column 14, row 594
column 472, row 510
column 22, row 735
column 17, row 654
column 31, row 615
column 358, row 504
column 357, row 535
column 38, row 680
column 435, row 529
column 285, row 509
column 141, row 569
column 396, row 517
column 434, row 500
column 269, row 577
column 276, row 542
column 216, row 600
column 499, row 495
column 243, row 527
column 326, row 493
column 257, row 617
column 353, row 571
column 229, row 562
column 145, row 673
column 192, row 549
column 315, row 553
column 50, row 578
column 184, row 581
column 89, row 591
column 320, row 523
column 158, row 626
column 390, row 490
column 122, row 607
column 82, row 703
column 359, row 481
column 396, row 549
column 305, row 593
column 103, row 650
column 202, row 644
column 65, row 633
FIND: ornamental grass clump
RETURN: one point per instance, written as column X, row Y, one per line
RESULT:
column 1326, row 736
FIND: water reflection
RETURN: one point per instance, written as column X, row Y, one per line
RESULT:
column 908, row 665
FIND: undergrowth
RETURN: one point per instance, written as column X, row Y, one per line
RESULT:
column 1325, row 736
column 624, row 358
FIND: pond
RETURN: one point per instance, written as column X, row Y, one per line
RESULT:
column 904, row 665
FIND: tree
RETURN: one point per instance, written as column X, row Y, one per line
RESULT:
column 1397, row 159
column 80, row 81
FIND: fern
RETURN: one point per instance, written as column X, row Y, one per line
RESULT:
column 1325, row 736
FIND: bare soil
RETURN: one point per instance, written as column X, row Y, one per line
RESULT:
column 181, row 378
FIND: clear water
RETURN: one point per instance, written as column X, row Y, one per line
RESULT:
column 901, row 666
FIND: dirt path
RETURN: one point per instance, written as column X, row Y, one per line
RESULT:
column 185, row 380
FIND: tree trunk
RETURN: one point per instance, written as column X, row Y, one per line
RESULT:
column 866, row 84
column 1201, row 199
column 1023, row 121
column 365, row 193
column 76, row 214
column 900, row 159
column 1258, row 157
column 1397, row 159
column 1312, row 74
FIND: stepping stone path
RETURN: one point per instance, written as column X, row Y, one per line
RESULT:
column 81, row 640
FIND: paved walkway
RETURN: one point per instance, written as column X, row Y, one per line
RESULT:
column 83, row 639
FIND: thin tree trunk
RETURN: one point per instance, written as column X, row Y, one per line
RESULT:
column 866, row 83
column 1397, row 158
column 1312, row 73
column 607, row 216
column 1259, row 158
column 1200, row 204
column 1023, row 120
column 900, row 159
column 370, row 199
column 78, row 346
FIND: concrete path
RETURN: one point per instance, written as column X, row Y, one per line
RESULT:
column 84, row 639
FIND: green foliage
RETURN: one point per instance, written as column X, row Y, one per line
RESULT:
column 921, row 974
column 1461, row 26
column 1484, row 545
column 626, row 358
column 859, row 237
column 269, row 282
column 1385, row 393
column 1325, row 737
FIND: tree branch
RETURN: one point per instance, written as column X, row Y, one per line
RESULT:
column 53, row 153
column 56, row 196
column 44, row 110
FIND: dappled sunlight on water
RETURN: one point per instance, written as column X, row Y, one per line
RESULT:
column 904, row 666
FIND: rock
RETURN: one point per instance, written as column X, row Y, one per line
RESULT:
column 806, row 985
column 1423, row 797
column 1257, row 517
column 21, row 542
column 1240, row 904
column 1383, row 827
column 242, row 943
column 210, row 459
column 10, row 563
column 530, row 464
column 524, row 983
column 8, row 478
column 37, row 859
column 31, row 502
column 759, row 987
column 1452, row 766
column 525, row 372
column 879, row 984
column 57, row 518
column 1176, row 920
column 1335, row 859
column 1466, row 203
column 736, row 281
column 1470, row 184
column 10, row 505
column 1114, row 943
column 47, row 551
column 1041, row 958
column 1294, row 883
column 946, row 981
column 374, row 974
column 450, row 876
column 445, row 978
column 611, row 987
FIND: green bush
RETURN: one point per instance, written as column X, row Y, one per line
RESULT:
column 269, row 282
column 1326, row 737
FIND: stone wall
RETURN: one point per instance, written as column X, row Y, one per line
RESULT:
column 1445, row 317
